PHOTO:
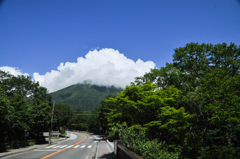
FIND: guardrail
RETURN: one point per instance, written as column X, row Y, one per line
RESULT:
column 121, row 151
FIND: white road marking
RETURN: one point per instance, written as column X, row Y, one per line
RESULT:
column 63, row 146
column 50, row 146
column 57, row 146
column 70, row 146
column 86, row 157
column 67, row 146
column 76, row 146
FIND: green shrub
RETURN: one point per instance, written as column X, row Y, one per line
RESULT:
column 31, row 143
column 63, row 130
column 8, row 147
column 135, row 138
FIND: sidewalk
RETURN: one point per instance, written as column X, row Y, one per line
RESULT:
column 103, row 151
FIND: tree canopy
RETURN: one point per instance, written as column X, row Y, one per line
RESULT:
column 24, row 106
column 191, row 105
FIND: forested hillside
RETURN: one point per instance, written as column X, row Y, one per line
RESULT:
column 84, row 96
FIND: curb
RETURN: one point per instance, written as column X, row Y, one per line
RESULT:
column 96, row 156
column 93, row 151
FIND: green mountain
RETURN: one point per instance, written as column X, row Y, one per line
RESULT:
column 84, row 96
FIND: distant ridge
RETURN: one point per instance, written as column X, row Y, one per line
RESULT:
column 84, row 96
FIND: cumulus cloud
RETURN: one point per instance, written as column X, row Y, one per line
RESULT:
column 13, row 70
column 104, row 67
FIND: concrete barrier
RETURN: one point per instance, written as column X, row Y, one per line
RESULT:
column 68, row 135
column 110, row 145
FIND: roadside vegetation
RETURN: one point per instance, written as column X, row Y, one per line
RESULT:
column 187, row 109
column 25, row 111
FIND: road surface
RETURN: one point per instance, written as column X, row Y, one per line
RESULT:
column 79, row 146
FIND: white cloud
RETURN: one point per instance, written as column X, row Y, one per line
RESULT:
column 13, row 70
column 104, row 67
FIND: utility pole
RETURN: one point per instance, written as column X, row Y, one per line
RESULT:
column 50, row 133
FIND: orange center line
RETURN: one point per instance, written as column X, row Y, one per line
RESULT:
column 66, row 147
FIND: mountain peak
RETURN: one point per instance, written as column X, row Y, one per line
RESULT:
column 83, row 95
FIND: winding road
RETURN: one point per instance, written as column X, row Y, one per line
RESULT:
column 79, row 145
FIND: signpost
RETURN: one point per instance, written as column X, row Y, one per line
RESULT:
column 52, row 134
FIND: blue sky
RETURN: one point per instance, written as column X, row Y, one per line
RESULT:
column 37, row 35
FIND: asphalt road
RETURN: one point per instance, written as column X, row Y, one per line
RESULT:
column 78, row 146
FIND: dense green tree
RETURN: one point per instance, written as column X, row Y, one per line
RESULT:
column 24, row 86
column 80, row 120
column 195, row 60
column 141, row 104
column 62, row 115
column 153, row 109
column 208, row 79
column 24, row 107
column 40, row 117
column 6, row 116
column 165, row 77
column 204, row 119
column 102, row 111
column 214, row 72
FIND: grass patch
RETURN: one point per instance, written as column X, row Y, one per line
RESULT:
column 30, row 143
column 55, row 137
